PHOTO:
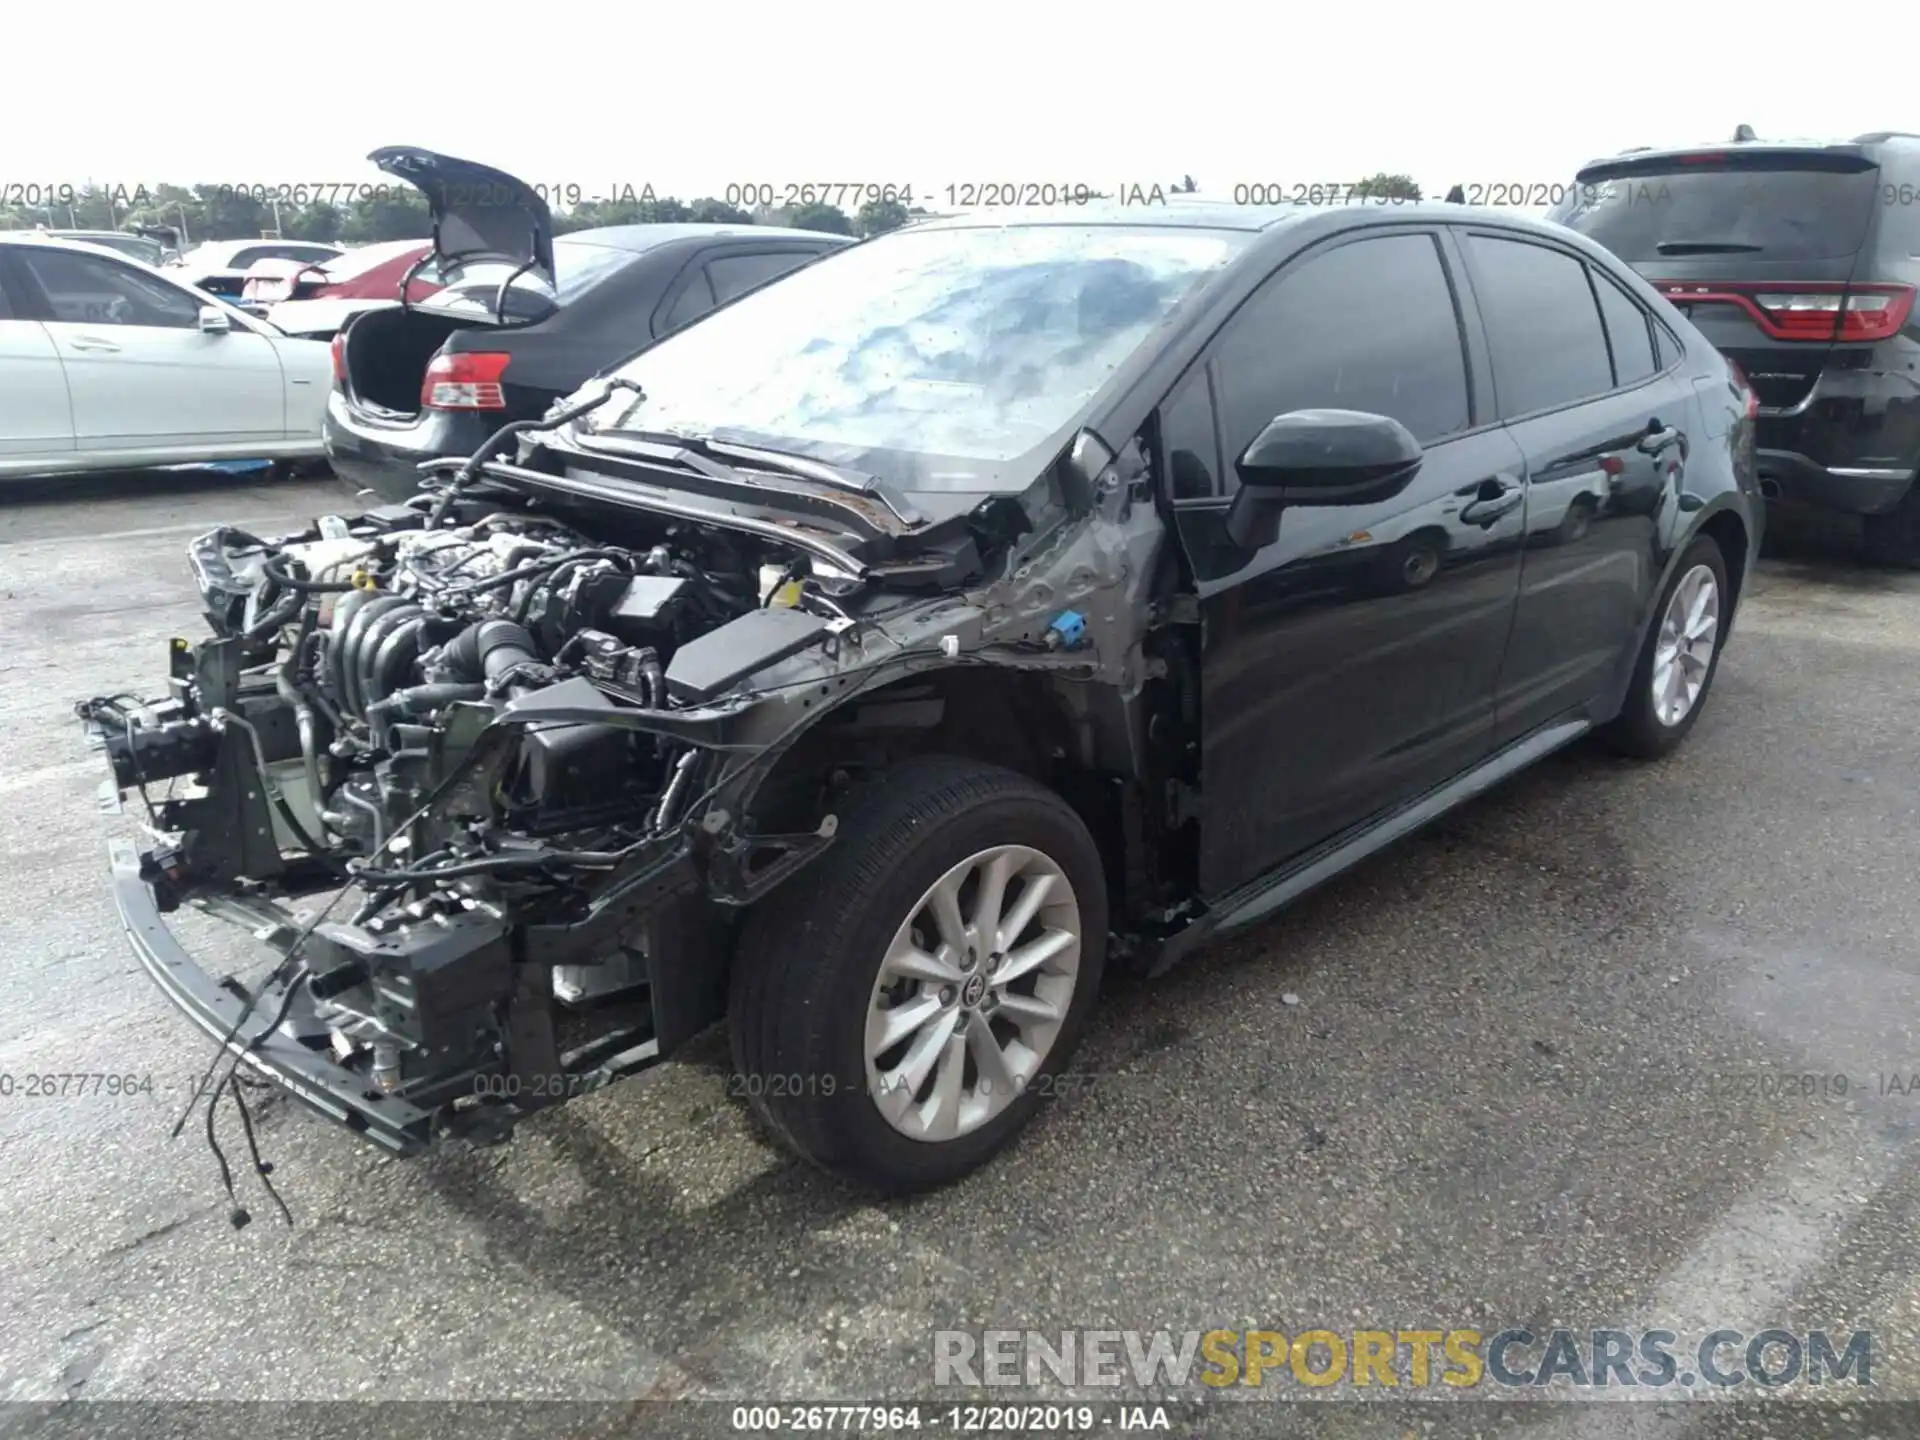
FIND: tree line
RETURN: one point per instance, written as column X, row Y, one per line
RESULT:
column 386, row 212
column 397, row 212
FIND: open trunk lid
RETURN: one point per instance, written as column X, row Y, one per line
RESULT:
column 480, row 215
column 1757, row 244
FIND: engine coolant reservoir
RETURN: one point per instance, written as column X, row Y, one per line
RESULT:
column 773, row 592
column 330, row 561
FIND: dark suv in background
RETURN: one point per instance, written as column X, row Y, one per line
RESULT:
column 1799, row 261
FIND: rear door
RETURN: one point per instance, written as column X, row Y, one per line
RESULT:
column 35, row 416
column 141, row 374
column 1593, row 392
column 1756, row 245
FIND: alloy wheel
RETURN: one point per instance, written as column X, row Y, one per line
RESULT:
column 1684, row 652
column 972, row 993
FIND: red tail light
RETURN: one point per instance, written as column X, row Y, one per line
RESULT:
column 464, row 380
column 1789, row 311
column 340, row 357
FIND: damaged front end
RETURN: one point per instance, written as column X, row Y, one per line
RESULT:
column 479, row 770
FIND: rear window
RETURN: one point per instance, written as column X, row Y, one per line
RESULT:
column 1772, row 211
column 577, row 267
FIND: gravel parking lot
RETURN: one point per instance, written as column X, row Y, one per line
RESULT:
column 1534, row 1071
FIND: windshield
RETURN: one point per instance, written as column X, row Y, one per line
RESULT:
column 143, row 250
column 578, row 265
column 1669, row 210
column 937, row 359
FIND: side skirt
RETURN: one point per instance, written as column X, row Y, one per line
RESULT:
column 1256, row 901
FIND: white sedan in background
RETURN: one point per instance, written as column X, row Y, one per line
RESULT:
column 108, row 364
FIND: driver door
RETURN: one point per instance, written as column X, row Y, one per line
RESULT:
column 142, row 376
column 1350, row 664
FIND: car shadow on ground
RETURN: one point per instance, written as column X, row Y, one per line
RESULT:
column 1825, row 550
column 56, row 490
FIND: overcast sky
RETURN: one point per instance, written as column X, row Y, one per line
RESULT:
column 690, row 98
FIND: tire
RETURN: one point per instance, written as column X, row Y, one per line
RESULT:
column 1641, row 729
column 806, row 991
column 1894, row 538
column 1576, row 522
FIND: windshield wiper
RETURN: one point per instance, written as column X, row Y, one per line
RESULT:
column 1707, row 247
column 783, row 462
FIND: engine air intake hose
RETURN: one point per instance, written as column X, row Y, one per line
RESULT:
column 489, row 649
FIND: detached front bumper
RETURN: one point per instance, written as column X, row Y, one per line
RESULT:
column 294, row 1053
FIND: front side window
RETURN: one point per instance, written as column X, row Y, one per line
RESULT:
column 1549, row 348
column 938, row 359
column 1366, row 326
column 92, row 290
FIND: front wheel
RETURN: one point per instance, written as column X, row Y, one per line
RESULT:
column 899, row 1012
column 1678, row 660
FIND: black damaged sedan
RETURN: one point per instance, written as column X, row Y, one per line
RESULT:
column 874, row 663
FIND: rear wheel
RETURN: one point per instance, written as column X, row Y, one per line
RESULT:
column 1894, row 538
column 1678, row 660
column 1577, row 521
column 896, row 1014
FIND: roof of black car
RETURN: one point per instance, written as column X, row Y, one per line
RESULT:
column 646, row 237
column 1185, row 212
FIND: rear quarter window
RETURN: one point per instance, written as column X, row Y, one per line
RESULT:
column 1667, row 345
column 1629, row 332
column 693, row 302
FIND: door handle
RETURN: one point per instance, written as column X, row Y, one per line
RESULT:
column 1495, row 498
column 93, row 342
column 1657, row 438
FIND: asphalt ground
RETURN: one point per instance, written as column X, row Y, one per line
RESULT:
column 1544, row 1065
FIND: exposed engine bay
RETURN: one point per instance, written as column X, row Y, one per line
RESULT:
column 497, row 790
column 433, row 715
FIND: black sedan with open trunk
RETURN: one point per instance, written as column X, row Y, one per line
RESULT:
column 523, row 318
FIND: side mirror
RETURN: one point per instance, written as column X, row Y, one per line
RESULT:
column 1318, row 457
column 214, row 320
